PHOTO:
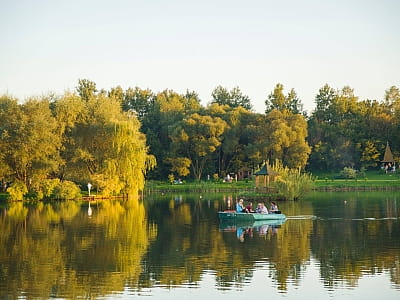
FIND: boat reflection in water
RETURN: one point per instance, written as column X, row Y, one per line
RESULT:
column 247, row 229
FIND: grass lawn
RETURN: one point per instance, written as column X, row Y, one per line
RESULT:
column 370, row 180
column 199, row 186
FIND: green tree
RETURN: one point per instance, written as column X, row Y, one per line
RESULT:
column 138, row 100
column 86, row 89
column 69, row 111
column 231, row 155
column 233, row 98
column 277, row 100
column 392, row 98
column 168, row 109
column 10, row 115
column 369, row 154
column 30, row 141
column 180, row 165
column 346, row 132
column 286, row 140
column 196, row 138
column 392, row 103
column 117, row 93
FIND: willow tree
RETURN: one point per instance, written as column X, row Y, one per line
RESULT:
column 107, row 147
column 127, row 163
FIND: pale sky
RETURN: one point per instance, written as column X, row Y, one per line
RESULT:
column 47, row 45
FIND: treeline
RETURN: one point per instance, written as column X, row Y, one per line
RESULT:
column 346, row 132
column 112, row 138
column 226, row 135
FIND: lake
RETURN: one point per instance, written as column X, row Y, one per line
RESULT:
column 331, row 246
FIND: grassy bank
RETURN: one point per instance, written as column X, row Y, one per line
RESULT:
column 200, row 186
column 371, row 180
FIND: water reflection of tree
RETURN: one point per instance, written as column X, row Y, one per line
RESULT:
column 362, row 241
column 347, row 250
column 189, row 244
column 45, row 248
column 47, row 254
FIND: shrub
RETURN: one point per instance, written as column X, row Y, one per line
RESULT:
column 17, row 190
column 45, row 188
column 171, row 178
column 291, row 184
column 348, row 173
column 215, row 177
column 66, row 190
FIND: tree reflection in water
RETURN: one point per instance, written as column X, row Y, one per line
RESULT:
column 56, row 247
column 56, row 250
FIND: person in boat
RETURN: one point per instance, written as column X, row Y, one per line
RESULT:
column 240, row 207
column 249, row 207
column 274, row 208
column 261, row 209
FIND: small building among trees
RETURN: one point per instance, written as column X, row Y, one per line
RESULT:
column 388, row 163
column 264, row 176
column 244, row 173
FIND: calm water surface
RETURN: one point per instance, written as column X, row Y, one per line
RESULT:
column 339, row 245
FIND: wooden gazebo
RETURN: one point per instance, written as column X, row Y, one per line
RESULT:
column 264, row 176
column 388, row 160
column 388, row 156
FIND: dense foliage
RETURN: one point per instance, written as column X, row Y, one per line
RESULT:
column 112, row 138
column 346, row 132
column 342, row 131
column 74, row 138
column 189, row 139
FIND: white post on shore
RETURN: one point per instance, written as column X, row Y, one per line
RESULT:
column 89, row 186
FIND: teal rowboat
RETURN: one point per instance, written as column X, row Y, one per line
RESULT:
column 232, row 215
column 232, row 224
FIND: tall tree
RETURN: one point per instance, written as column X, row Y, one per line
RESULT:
column 196, row 138
column 117, row 93
column 278, row 100
column 29, row 139
column 138, row 100
column 167, row 110
column 346, row 132
column 69, row 111
column 392, row 102
column 392, row 98
column 233, row 98
column 287, row 138
column 107, row 147
column 231, row 154
column 86, row 89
